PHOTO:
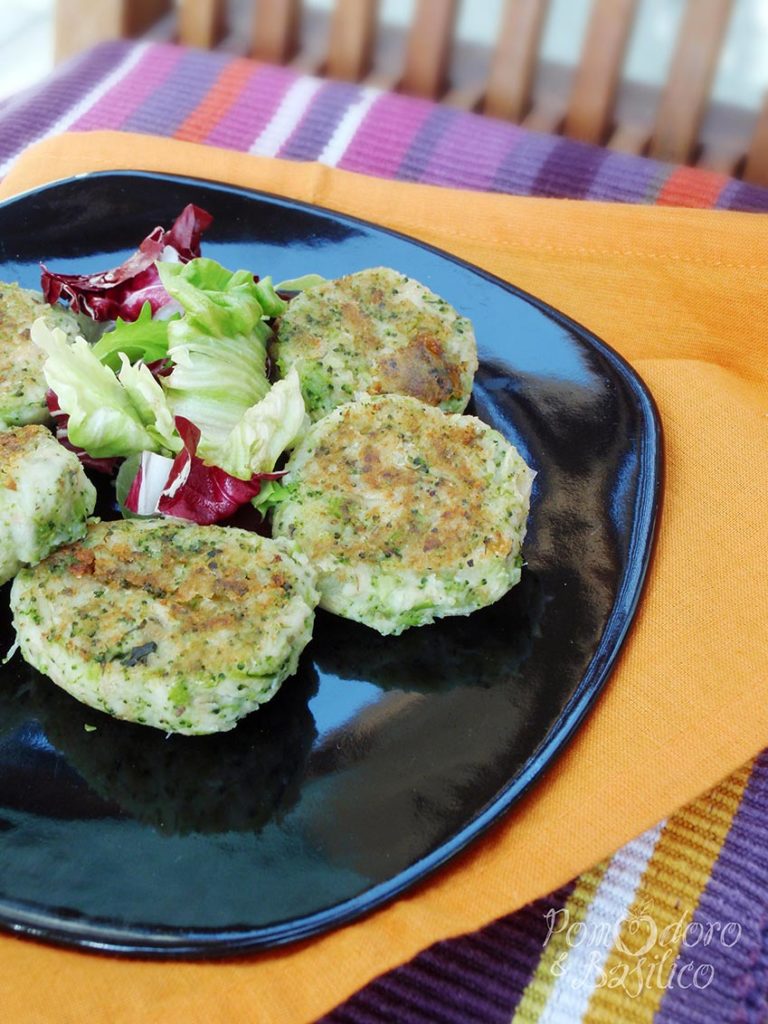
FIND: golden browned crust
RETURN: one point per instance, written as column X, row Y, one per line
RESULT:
column 395, row 481
column 199, row 582
column 405, row 513
column 182, row 627
column 15, row 446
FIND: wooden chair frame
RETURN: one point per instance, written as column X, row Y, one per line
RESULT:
column 509, row 86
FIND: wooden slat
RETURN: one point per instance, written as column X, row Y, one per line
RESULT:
column 387, row 81
column 428, row 54
column 513, row 66
column 593, row 97
column 202, row 22
column 353, row 31
column 466, row 97
column 139, row 15
column 630, row 138
column 544, row 118
column 756, row 168
column 80, row 24
column 276, row 30
column 686, row 93
column 720, row 159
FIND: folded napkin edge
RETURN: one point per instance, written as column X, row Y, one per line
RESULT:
column 708, row 236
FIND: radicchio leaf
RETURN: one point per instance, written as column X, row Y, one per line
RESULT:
column 192, row 490
column 122, row 291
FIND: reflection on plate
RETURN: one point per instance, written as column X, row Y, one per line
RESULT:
column 481, row 650
column 384, row 756
column 223, row 783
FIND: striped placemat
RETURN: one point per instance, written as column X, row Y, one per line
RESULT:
column 240, row 104
column 674, row 927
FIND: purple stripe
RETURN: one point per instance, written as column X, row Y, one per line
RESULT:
column 569, row 170
column 727, row 196
column 115, row 107
column 471, row 151
column 38, row 111
column 476, row 979
column 737, row 892
column 382, row 140
column 416, row 157
column 320, row 120
column 168, row 106
column 252, row 111
column 739, row 195
column 623, row 178
column 521, row 166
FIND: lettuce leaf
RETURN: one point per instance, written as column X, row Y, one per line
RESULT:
column 300, row 284
column 109, row 415
column 272, row 494
column 61, row 425
column 270, row 301
column 264, row 431
column 149, row 400
column 207, row 491
column 143, row 338
column 219, row 346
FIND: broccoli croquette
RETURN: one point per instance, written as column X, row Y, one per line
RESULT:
column 376, row 332
column 185, row 628
column 406, row 514
column 22, row 383
column 45, row 497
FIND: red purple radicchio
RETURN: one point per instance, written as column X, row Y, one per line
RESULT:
column 191, row 490
column 122, row 291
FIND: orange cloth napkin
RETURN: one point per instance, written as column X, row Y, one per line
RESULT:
column 683, row 295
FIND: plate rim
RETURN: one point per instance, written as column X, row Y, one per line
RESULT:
column 181, row 942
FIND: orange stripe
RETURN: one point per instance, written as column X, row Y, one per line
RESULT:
column 691, row 186
column 217, row 101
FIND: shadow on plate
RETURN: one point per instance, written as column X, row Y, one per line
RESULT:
column 478, row 650
column 233, row 781
column 457, row 694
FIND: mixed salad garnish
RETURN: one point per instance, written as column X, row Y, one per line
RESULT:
column 174, row 397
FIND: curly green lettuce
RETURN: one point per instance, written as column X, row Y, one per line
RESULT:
column 264, row 431
column 109, row 414
column 218, row 347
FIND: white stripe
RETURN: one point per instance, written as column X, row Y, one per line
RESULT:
column 569, row 998
column 286, row 117
column 87, row 101
column 336, row 146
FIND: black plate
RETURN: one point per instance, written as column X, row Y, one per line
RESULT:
column 383, row 757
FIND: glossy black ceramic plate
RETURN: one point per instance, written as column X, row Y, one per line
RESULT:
column 383, row 757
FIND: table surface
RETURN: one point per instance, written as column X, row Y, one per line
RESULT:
column 698, row 882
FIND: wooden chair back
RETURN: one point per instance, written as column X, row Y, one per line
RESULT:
column 509, row 81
